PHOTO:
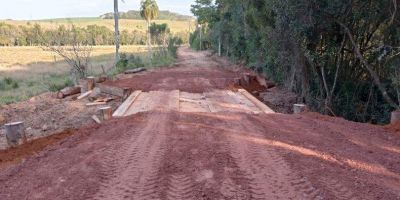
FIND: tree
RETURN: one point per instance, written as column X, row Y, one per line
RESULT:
column 77, row 55
column 149, row 11
column 341, row 57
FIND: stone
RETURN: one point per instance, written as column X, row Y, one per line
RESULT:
column 45, row 127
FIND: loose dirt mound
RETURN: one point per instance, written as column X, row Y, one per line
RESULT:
column 45, row 115
column 15, row 155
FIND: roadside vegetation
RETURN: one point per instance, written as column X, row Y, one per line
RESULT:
column 48, row 55
column 341, row 57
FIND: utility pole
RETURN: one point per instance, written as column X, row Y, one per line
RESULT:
column 116, row 19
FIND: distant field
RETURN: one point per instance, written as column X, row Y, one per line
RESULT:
column 30, row 71
column 126, row 24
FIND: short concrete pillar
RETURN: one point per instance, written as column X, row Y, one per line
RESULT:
column 299, row 108
column 15, row 133
column 91, row 82
column 106, row 113
column 395, row 116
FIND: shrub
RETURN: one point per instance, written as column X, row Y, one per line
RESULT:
column 8, row 84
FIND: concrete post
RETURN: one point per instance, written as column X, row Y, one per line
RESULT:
column 395, row 116
column 299, row 108
column 15, row 133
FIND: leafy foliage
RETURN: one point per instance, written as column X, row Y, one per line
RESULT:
column 342, row 57
column 163, row 15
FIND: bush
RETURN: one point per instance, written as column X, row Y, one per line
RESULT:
column 173, row 45
column 8, row 84
column 56, row 83
column 130, row 62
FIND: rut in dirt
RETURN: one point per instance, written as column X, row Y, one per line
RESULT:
column 191, row 156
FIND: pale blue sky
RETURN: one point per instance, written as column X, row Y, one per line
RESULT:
column 44, row 9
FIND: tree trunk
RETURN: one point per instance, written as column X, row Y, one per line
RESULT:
column 68, row 92
column 117, row 39
column 219, row 45
column 149, row 39
column 369, row 68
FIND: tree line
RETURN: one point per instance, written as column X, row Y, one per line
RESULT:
column 36, row 35
column 342, row 57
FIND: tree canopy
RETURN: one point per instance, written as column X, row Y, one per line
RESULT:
column 149, row 10
column 342, row 57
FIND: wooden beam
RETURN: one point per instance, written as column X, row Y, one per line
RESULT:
column 116, row 91
column 96, row 104
column 91, row 81
column 264, row 108
column 84, row 95
column 134, row 71
column 106, row 112
column 120, row 112
column 96, row 119
column 68, row 91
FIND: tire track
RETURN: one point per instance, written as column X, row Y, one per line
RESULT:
column 340, row 191
column 180, row 187
column 135, row 170
column 270, row 176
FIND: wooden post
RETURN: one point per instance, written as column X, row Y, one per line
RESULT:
column 91, row 81
column 106, row 112
column 395, row 116
column 299, row 108
column 83, row 85
column 15, row 133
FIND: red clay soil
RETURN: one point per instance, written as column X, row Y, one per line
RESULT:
column 214, row 156
column 194, row 72
column 16, row 154
column 395, row 127
column 172, row 155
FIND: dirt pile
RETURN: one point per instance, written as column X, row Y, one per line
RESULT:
column 44, row 115
column 15, row 155
column 395, row 127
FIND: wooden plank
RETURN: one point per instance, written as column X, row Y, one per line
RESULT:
column 96, row 104
column 86, row 94
column 116, row 91
column 120, row 112
column 96, row 119
column 133, row 71
column 190, row 100
column 264, row 108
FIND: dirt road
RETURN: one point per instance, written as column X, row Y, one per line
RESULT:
column 167, row 154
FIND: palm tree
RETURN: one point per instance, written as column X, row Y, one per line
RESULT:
column 149, row 11
column 117, row 33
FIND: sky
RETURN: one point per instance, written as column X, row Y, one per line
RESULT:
column 46, row 9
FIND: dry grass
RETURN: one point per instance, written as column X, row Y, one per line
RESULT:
column 35, row 69
column 126, row 24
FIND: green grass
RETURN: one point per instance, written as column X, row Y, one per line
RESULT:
column 21, row 81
